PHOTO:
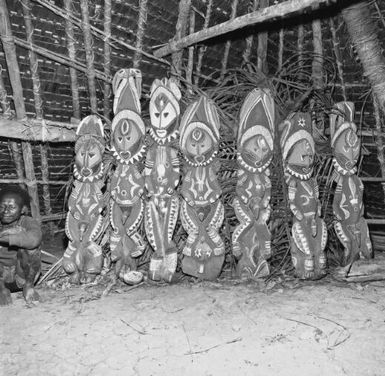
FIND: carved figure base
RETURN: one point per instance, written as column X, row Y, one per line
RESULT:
column 83, row 262
column 308, row 266
column 162, row 268
column 356, row 241
column 207, row 270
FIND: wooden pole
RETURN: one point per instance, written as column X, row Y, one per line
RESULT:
column 29, row 130
column 107, row 58
column 300, row 40
column 181, row 25
column 13, row 145
column 337, row 54
column 69, row 28
column 317, row 64
column 262, row 44
column 34, row 65
column 14, row 75
column 234, row 6
column 88, row 43
column 142, row 20
column 379, row 139
column 274, row 12
column 190, row 62
column 280, row 49
column 202, row 49
column 250, row 39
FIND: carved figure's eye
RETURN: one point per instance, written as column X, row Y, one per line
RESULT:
column 91, row 155
column 202, row 145
column 120, row 139
column 128, row 138
column 193, row 145
column 165, row 114
column 157, row 114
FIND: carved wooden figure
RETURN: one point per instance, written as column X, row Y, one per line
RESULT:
column 127, row 183
column 83, row 257
column 350, row 226
column 202, row 211
column 309, row 233
column 252, row 239
column 162, row 178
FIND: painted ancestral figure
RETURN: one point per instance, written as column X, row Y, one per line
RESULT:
column 350, row 226
column 202, row 211
column 127, row 183
column 309, row 233
column 162, row 178
column 83, row 257
column 252, row 239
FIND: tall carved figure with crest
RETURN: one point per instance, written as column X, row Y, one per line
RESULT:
column 350, row 226
column 309, row 233
column 202, row 211
column 251, row 238
column 127, row 183
column 162, row 178
column 83, row 256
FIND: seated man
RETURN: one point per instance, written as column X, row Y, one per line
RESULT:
column 20, row 238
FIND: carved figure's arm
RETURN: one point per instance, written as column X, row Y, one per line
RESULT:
column 292, row 193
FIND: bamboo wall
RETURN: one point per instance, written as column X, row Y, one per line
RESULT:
column 67, row 52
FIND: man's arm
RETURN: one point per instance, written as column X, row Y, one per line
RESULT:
column 29, row 236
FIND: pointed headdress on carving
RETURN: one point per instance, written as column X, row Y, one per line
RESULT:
column 200, row 121
column 128, row 129
column 341, row 119
column 256, row 120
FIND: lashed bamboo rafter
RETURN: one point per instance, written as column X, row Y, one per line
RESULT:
column 274, row 12
column 31, row 130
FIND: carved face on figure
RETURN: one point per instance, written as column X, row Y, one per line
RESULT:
column 347, row 149
column 301, row 157
column 163, row 115
column 88, row 160
column 199, row 146
column 126, row 139
column 255, row 151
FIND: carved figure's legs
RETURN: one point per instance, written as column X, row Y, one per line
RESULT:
column 82, row 255
column 252, row 241
column 366, row 250
column 307, row 251
column 204, row 250
column 160, row 222
column 126, row 242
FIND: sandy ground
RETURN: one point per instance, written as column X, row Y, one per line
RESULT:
column 227, row 328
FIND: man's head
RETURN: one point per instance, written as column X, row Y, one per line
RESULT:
column 14, row 202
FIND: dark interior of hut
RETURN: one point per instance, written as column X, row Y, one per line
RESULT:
column 63, row 65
